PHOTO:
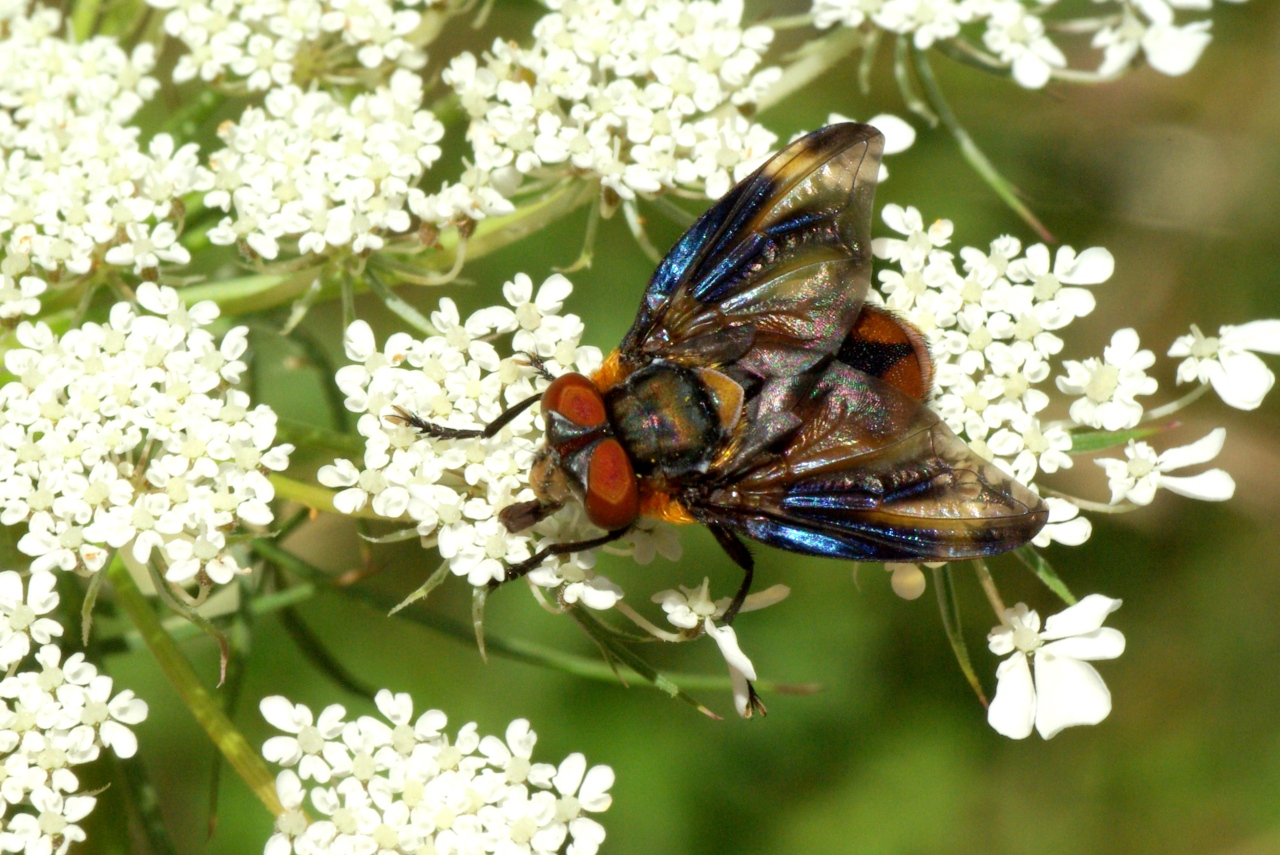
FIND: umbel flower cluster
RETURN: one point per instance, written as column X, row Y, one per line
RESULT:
column 53, row 717
column 77, row 189
column 641, row 95
column 397, row 784
column 127, row 435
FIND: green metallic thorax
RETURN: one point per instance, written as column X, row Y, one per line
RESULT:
column 666, row 419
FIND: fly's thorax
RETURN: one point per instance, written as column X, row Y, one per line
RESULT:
column 672, row 420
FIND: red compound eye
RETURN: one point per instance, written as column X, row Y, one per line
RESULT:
column 612, row 499
column 576, row 398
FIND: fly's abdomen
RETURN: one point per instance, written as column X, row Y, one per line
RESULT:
column 666, row 419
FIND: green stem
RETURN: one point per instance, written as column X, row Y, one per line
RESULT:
column 944, row 587
column 510, row 648
column 906, row 85
column 969, row 149
column 968, row 54
column 84, row 17
column 989, row 588
column 229, row 741
column 180, row 629
column 1173, row 406
column 312, row 436
column 314, row 496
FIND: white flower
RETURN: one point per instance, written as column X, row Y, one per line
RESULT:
column 1228, row 362
column 689, row 607
column 85, row 405
column 1109, row 385
column 1066, row 690
column 581, row 789
column 1017, row 36
column 78, row 188
column 52, row 828
column 22, row 620
column 62, row 716
column 1143, row 472
column 259, row 43
column 312, row 746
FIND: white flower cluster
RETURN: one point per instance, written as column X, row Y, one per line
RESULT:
column 641, row 94
column 1015, row 31
column 402, row 786
column 452, row 489
column 76, row 190
column 309, row 169
column 268, row 43
column 51, row 719
column 126, row 434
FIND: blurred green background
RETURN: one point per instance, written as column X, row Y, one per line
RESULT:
column 1180, row 178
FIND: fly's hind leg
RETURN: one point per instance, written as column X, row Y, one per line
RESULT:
column 741, row 556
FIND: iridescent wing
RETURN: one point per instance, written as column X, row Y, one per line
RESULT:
column 771, row 278
column 843, row 464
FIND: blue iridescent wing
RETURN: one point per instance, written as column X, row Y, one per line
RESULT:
column 843, row 464
column 771, row 278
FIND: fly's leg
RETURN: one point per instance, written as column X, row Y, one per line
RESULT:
column 515, row 571
column 538, row 364
column 742, row 557
column 413, row 420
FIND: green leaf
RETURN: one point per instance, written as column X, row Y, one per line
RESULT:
column 1098, row 440
column 945, row 587
column 1036, row 563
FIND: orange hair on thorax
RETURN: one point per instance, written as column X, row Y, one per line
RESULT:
column 660, row 505
column 611, row 372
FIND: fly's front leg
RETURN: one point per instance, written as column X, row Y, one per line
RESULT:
column 422, row 426
column 516, row 571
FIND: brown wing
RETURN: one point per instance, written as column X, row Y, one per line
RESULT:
column 771, row 277
column 848, row 466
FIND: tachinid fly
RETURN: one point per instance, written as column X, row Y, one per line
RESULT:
column 758, row 394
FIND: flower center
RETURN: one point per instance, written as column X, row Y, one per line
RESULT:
column 1102, row 385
